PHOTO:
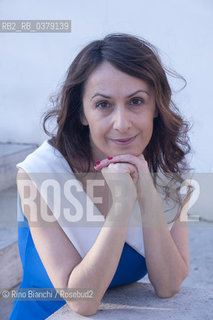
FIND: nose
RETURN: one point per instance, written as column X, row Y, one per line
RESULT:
column 121, row 121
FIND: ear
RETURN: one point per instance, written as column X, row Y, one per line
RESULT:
column 156, row 112
column 83, row 120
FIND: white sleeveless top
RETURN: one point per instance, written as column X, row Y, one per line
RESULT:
column 75, row 211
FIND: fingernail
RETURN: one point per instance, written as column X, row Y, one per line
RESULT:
column 110, row 158
column 97, row 163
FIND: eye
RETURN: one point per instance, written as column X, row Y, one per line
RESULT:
column 102, row 105
column 137, row 101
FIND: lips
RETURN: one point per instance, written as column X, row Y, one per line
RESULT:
column 124, row 139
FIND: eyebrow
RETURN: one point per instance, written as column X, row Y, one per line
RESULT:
column 108, row 97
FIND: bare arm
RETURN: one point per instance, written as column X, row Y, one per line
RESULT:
column 63, row 263
column 98, row 267
column 167, row 253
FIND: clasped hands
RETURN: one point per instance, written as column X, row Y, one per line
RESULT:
column 136, row 170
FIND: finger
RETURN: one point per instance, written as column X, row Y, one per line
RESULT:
column 138, row 161
column 105, row 162
column 122, row 167
column 101, row 164
column 126, row 166
column 135, row 160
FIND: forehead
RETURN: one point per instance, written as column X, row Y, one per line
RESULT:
column 108, row 79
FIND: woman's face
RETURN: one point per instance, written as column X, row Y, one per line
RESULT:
column 117, row 106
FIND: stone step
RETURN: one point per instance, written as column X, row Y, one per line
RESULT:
column 10, row 263
column 10, row 266
column 10, row 155
column 6, row 306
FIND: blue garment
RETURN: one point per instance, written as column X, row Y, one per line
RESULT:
column 131, row 268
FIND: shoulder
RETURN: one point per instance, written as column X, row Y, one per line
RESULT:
column 45, row 159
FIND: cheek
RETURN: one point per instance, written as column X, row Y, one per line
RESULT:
column 147, row 128
column 150, row 129
column 97, row 131
column 146, row 123
column 100, row 128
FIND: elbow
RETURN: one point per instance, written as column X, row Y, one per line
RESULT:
column 83, row 309
column 166, row 294
column 170, row 291
column 85, row 312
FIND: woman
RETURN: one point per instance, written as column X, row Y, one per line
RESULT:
column 117, row 124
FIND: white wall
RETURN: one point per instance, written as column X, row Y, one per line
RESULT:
column 32, row 65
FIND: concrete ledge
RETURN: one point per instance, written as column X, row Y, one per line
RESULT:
column 10, row 266
column 10, row 155
column 138, row 301
column 10, row 262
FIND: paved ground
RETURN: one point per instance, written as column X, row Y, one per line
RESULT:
column 200, row 240
column 138, row 301
column 201, row 256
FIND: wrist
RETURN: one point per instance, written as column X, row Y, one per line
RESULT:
column 120, row 213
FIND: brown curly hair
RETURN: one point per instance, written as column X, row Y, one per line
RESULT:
column 169, row 144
